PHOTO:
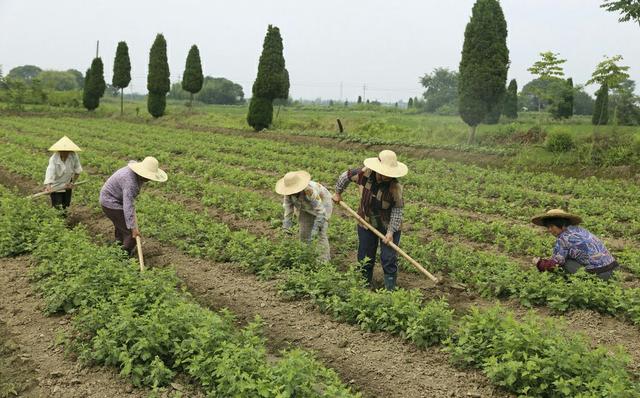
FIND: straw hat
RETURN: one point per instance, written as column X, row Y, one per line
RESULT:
column 293, row 182
column 387, row 164
column 65, row 144
column 556, row 213
column 148, row 169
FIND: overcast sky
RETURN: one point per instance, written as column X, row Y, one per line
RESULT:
column 385, row 45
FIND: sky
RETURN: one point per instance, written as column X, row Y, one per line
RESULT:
column 334, row 49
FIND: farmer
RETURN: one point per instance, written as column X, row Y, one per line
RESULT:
column 575, row 246
column 381, row 205
column 118, row 195
column 63, row 170
column 312, row 202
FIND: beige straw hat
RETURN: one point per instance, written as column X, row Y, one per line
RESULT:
column 556, row 213
column 293, row 182
column 387, row 164
column 148, row 169
column 65, row 144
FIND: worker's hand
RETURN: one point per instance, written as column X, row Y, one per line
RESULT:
column 388, row 238
column 337, row 197
column 135, row 233
column 535, row 260
column 47, row 188
column 68, row 185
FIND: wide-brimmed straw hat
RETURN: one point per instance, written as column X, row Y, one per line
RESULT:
column 293, row 182
column 556, row 213
column 387, row 164
column 64, row 144
column 149, row 169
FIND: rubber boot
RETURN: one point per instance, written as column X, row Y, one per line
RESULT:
column 390, row 281
column 367, row 272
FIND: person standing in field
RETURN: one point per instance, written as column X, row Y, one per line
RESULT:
column 118, row 194
column 575, row 247
column 63, row 170
column 312, row 202
column 381, row 205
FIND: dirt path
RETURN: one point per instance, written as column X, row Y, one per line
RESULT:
column 43, row 368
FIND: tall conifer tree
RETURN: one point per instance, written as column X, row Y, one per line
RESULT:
column 484, row 64
column 94, row 85
column 158, row 83
column 510, row 108
column 192, row 79
column 121, row 71
column 601, row 110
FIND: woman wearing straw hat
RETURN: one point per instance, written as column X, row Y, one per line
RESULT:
column 118, row 195
column 381, row 205
column 63, row 169
column 575, row 246
column 312, row 202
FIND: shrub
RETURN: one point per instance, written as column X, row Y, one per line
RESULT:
column 559, row 142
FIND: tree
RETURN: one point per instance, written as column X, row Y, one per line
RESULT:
column 94, row 85
column 561, row 103
column 547, row 68
column 629, row 9
column 121, row 71
column 78, row 76
column 626, row 103
column 484, row 64
column 510, row 107
column 158, row 83
column 601, row 108
column 441, row 89
column 55, row 80
column 272, row 81
column 24, row 72
column 260, row 113
column 410, row 103
column 192, row 79
column 359, row 99
column 608, row 73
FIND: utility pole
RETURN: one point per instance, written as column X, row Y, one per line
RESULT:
column 97, row 47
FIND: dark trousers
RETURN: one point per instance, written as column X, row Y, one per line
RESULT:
column 61, row 200
column 368, row 247
column 122, row 233
column 571, row 266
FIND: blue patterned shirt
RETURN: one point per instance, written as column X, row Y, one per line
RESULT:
column 581, row 245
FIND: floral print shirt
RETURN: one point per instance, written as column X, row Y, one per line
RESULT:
column 582, row 246
column 315, row 199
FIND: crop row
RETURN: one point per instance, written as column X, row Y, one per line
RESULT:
column 534, row 358
column 498, row 277
column 143, row 323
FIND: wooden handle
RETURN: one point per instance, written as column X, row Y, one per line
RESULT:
column 139, row 245
column 35, row 195
column 391, row 244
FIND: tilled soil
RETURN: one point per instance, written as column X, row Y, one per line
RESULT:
column 41, row 367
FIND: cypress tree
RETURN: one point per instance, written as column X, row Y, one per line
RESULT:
column 601, row 108
column 121, row 71
column 94, row 85
column 260, row 113
column 271, row 83
column 493, row 116
column 359, row 99
column 484, row 64
column 510, row 108
column 192, row 79
column 410, row 103
column 158, row 83
column 565, row 106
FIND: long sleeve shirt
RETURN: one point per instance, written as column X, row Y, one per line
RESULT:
column 383, row 199
column 120, row 192
column 582, row 246
column 315, row 199
column 61, row 172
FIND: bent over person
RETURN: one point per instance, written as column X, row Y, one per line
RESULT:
column 63, row 170
column 118, row 194
column 381, row 205
column 312, row 202
column 575, row 246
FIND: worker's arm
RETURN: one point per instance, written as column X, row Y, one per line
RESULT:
column 395, row 220
column 129, row 194
column 317, row 210
column 560, row 253
column 287, row 203
column 345, row 178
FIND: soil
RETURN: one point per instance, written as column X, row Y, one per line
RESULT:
column 40, row 367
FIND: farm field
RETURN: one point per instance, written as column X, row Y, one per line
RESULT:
column 216, row 222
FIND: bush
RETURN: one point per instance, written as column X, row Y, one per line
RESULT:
column 559, row 143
